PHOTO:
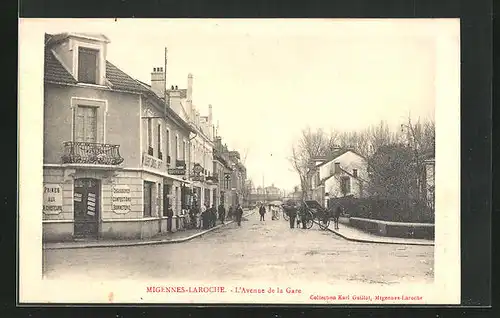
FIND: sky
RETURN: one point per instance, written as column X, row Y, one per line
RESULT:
column 269, row 79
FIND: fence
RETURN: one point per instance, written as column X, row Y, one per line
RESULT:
column 394, row 210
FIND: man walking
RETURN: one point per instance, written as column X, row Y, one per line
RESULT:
column 239, row 214
column 292, row 213
column 222, row 213
column 262, row 212
column 170, row 215
column 213, row 215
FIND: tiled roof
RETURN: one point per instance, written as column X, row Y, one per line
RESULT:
column 55, row 72
column 333, row 155
column 120, row 80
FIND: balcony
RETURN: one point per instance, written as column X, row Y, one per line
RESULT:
column 91, row 153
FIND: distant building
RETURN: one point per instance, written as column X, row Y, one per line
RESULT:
column 267, row 194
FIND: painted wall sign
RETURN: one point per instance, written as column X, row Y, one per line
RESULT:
column 52, row 198
column 121, row 200
column 177, row 171
column 151, row 162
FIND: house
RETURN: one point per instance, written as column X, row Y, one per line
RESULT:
column 342, row 173
column 222, row 171
column 203, row 185
column 167, row 132
column 107, row 148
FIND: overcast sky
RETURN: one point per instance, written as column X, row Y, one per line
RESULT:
column 269, row 79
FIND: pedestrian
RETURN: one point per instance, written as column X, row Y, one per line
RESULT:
column 303, row 215
column 192, row 216
column 262, row 212
column 336, row 216
column 292, row 213
column 203, row 217
column 170, row 215
column 230, row 212
column 222, row 213
column 239, row 214
column 213, row 215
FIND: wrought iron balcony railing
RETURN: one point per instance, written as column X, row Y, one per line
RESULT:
column 91, row 153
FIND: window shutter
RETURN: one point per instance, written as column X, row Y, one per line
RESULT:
column 87, row 65
column 91, row 125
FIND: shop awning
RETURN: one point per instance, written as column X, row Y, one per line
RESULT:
column 178, row 179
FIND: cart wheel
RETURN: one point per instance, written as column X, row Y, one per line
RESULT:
column 309, row 223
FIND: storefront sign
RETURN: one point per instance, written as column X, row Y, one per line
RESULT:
column 151, row 162
column 121, row 199
column 197, row 169
column 177, row 171
column 52, row 199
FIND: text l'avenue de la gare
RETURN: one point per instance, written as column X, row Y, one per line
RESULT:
column 222, row 289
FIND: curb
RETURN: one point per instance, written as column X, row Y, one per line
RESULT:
column 152, row 242
column 378, row 242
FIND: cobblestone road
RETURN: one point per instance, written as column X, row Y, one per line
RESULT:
column 268, row 251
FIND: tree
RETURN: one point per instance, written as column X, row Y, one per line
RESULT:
column 420, row 138
column 391, row 172
column 311, row 144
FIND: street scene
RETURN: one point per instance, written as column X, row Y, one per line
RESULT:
column 224, row 150
column 265, row 251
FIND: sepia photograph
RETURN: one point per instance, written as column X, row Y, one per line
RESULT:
column 239, row 161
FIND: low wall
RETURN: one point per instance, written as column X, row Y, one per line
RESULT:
column 57, row 232
column 394, row 229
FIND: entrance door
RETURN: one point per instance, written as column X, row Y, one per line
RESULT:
column 86, row 204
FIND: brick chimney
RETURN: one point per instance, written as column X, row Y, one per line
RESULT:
column 174, row 99
column 158, row 81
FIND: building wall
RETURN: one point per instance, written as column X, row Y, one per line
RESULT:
column 333, row 186
column 114, row 125
column 348, row 161
column 133, row 224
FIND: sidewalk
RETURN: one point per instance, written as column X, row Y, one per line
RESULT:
column 352, row 234
column 176, row 237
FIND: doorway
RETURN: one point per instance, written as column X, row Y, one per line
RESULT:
column 86, row 203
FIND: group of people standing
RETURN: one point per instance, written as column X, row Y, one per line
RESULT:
column 206, row 217
column 273, row 209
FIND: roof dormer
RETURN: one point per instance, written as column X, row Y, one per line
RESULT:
column 83, row 55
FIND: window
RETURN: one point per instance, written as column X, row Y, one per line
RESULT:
column 85, row 124
column 168, row 142
column 177, row 147
column 148, row 198
column 345, row 185
column 184, row 150
column 150, row 136
column 87, row 65
column 160, row 155
column 355, row 173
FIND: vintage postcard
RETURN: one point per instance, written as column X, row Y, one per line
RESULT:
column 290, row 161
